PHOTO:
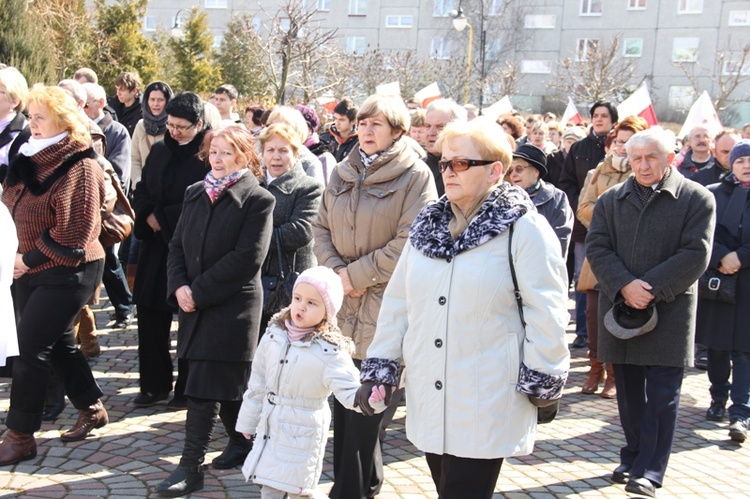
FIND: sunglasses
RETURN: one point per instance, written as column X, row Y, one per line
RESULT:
column 460, row 164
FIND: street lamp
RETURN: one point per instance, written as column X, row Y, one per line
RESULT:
column 176, row 30
column 459, row 23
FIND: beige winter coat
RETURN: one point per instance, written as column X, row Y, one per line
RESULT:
column 140, row 147
column 363, row 223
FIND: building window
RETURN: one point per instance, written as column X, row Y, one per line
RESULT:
column 399, row 21
column 216, row 4
column 323, row 5
column 217, row 41
column 442, row 8
column 496, row 7
column 536, row 66
column 735, row 67
column 356, row 45
column 357, row 7
column 591, row 7
column 690, row 7
column 585, row 47
column 636, row 4
column 739, row 17
column 681, row 96
column 632, row 47
column 685, row 49
column 440, row 48
column 149, row 23
column 539, row 21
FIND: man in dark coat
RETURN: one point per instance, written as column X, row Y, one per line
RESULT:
column 439, row 114
column 127, row 103
column 648, row 243
column 698, row 157
column 720, row 167
column 342, row 135
column 583, row 156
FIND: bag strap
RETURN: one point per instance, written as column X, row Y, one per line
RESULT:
column 519, row 300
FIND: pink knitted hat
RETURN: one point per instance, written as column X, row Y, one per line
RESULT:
column 328, row 284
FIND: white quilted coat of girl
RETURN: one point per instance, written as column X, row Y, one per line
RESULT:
column 301, row 359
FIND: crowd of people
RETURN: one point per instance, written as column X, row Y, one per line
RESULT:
column 385, row 251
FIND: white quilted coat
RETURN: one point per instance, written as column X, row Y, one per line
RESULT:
column 8, row 250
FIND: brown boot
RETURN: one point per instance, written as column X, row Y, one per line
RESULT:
column 87, row 333
column 93, row 417
column 596, row 376
column 610, row 390
column 130, row 275
column 17, row 447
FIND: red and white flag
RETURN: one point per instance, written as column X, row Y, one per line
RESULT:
column 428, row 94
column 571, row 114
column 327, row 102
column 638, row 104
column 702, row 112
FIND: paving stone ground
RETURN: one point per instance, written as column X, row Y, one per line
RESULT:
column 573, row 457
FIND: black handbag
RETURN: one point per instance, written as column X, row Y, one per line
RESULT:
column 277, row 289
column 547, row 413
column 713, row 285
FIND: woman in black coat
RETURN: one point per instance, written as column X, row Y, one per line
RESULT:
column 297, row 200
column 722, row 327
column 214, row 277
column 170, row 168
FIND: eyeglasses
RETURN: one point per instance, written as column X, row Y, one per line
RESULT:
column 89, row 104
column 460, row 164
column 518, row 169
column 179, row 128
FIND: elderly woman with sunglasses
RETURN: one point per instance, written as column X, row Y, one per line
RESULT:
column 171, row 166
column 479, row 361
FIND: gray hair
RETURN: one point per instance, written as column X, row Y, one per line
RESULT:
column 458, row 113
column 74, row 88
column 700, row 127
column 95, row 91
column 664, row 139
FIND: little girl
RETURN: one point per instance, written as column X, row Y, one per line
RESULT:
column 301, row 359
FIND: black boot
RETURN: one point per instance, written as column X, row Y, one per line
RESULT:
column 55, row 401
column 238, row 447
column 188, row 477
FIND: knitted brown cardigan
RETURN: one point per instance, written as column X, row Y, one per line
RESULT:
column 55, row 197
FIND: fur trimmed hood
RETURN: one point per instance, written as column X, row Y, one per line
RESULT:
column 325, row 331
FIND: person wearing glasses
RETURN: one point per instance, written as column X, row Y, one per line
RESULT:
column 478, row 368
column 363, row 222
column 171, row 166
column 526, row 171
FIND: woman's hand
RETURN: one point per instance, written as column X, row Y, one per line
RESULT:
column 347, row 284
column 19, row 268
column 184, row 297
column 730, row 264
column 153, row 223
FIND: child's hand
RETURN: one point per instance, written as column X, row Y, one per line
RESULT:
column 247, row 436
column 379, row 393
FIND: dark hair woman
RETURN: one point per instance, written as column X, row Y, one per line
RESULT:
column 170, row 168
column 54, row 190
column 214, row 278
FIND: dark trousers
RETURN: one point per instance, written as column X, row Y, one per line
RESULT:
column 648, row 398
column 463, row 477
column 49, row 302
column 154, row 359
column 592, row 322
column 357, row 456
column 720, row 364
column 116, row 284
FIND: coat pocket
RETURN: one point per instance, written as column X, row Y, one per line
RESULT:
column 295, row 442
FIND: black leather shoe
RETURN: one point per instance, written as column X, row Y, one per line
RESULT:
column 701, row 363
column 738, row 430
column 579, row 342
column 716, row 411
column 177, row 404
column 621, row 474
column 181, row 482
column 123, row 322
column 147, row 399
column 641, row 486
column 233, row 455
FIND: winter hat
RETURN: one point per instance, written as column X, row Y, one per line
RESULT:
column 740, row 150
column 311, row 117
column 328, row 285
column 575, row 132
column 625, row 322
column 534, row 156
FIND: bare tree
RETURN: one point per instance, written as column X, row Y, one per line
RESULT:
column 730, row 70
column 597, row 71
column 504, row 79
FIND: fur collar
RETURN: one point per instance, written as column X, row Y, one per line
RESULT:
column 430, row 236
column 26, row 170
column 326, row 332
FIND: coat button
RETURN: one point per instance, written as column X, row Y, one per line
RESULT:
column 438, row 343
column 439, row 385
column 442, row 300
column 449, row 259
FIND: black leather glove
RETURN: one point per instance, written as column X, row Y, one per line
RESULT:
column 362, row 398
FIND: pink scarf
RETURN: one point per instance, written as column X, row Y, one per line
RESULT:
column 295, row 333
column 215, row 186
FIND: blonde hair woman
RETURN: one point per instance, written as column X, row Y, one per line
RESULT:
column 13, row 90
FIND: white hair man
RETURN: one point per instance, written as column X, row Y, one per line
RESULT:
column 439, row 114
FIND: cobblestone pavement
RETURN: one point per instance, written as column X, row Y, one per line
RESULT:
column 573, row 456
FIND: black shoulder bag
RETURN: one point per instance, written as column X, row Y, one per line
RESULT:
column 547, row 414
column 277, row 289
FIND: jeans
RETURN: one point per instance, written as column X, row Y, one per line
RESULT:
column 720, row 363
column 580, row 253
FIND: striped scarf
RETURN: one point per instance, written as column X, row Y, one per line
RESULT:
column 215, row 186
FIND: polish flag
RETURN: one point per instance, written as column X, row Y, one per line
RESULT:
column 638, row 104
column 702, row 112
column 328, row 103
column 571, row 114
column 392, row 88
column 428, row 94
